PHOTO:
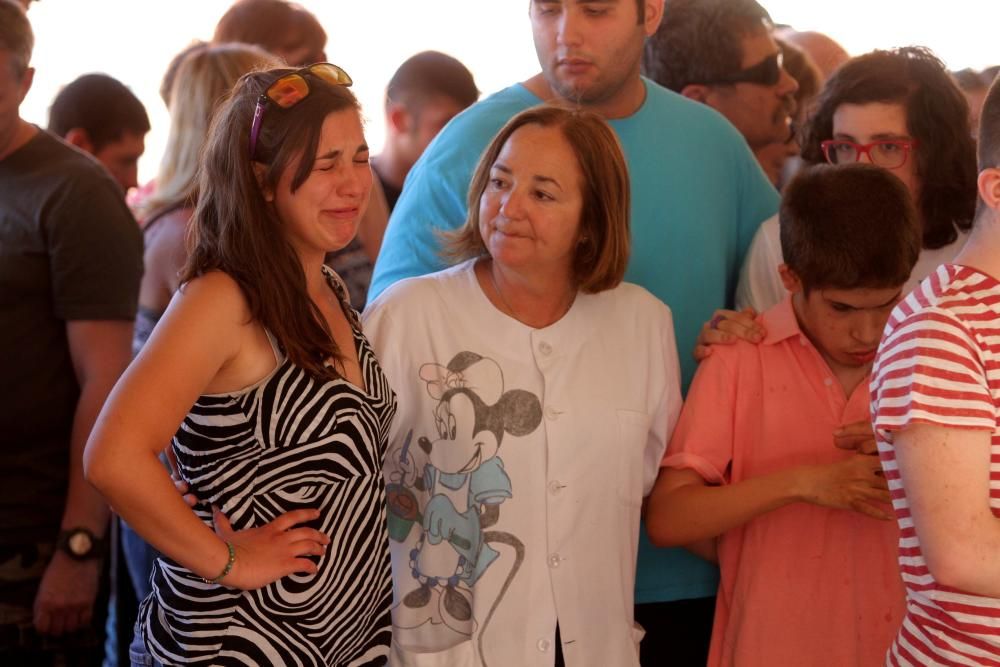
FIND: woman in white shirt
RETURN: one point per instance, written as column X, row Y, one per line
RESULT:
column 900, row 110
column 536, row 396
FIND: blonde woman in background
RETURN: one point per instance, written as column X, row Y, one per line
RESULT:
column 203, row 80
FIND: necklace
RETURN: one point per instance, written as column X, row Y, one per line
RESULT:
column 510, row 309
column 496, row 288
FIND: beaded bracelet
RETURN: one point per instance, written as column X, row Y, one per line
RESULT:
column 229, row 565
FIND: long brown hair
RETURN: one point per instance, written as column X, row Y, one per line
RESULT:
column 235, row 230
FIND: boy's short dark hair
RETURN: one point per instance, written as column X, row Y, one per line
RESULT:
column 701, row 41
column 102, row 106
column 989, row 135
column 989, row 129
column 849, row 226
column 430, row 74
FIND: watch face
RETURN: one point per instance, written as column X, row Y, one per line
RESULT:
column 80, row 543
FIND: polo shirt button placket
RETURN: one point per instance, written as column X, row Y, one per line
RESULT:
column 543, row 645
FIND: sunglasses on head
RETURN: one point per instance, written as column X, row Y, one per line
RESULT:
column 765, row 73
column 288, row 90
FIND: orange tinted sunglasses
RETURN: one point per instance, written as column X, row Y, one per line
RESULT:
column 292, row 88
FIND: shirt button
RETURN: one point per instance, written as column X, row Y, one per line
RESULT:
column 551, row 413
column 828, row 382
column 545, row 348
column 543, row 645
column 555, row 487
column 554, row 560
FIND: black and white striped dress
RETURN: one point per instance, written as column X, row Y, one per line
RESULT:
column 287, row 442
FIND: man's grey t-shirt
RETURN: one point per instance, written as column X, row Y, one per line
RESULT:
column 69, row 250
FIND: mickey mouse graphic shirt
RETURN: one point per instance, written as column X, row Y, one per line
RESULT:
column 517, row 464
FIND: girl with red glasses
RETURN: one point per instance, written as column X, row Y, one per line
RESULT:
column 902, row 111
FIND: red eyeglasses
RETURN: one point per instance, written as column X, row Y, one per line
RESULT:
column 887, row 153
column 292, row 88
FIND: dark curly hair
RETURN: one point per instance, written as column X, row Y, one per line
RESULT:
column 937, row 116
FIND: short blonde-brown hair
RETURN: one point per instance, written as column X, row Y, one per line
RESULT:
column 603, row 252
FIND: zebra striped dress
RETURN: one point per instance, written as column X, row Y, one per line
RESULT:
column 287, row 442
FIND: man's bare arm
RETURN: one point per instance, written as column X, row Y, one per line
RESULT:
column 100, row 351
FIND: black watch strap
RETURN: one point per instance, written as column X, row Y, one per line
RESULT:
column 81, row 544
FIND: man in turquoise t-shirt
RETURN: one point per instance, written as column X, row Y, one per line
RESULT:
column 698, row 196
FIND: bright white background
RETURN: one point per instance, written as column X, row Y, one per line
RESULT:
column 133, row 40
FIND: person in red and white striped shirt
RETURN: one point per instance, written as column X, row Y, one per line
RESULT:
column 936, row 411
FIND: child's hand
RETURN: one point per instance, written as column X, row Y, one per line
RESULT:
column 857, row 436
column 854, row 484
column 725, row 328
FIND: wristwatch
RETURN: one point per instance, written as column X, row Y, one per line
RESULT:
column 81, row 544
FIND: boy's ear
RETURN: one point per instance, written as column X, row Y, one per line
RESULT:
column 790, row 279
column 989, row 187
column 259, row 170
column 78, row 137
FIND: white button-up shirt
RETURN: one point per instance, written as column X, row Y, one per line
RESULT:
column 518, row 461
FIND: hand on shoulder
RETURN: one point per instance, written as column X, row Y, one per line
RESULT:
column 725, row 328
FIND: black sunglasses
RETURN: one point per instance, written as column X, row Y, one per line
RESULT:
column 765, row 73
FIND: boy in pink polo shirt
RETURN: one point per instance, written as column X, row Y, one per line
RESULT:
column 803, row 534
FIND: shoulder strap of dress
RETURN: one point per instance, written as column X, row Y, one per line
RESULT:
column 159, row 215
column 340, row 289
column 279, row 356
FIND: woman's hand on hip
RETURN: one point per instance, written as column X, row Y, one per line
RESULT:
column 272, row 551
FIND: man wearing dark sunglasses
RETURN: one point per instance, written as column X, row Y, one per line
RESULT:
column 696, row 191
column 721, row 53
